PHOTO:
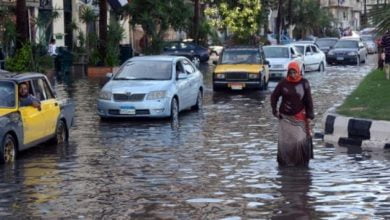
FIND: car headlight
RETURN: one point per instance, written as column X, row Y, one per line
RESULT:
column 106, row 95
column 220, row 76
column 253, row 76
column 330, row 53
column 156, row 95
column 352, row 53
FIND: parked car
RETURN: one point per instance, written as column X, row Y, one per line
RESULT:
column 347, row 51
column 241, row 67
column 279, row 56
column 152, row 86
column 284, row 39
column 369, row 43
column 23, row 127
column 313, row 58
column 326, row 43
column 190, row 50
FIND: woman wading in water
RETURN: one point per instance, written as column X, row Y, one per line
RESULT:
column 296, row 109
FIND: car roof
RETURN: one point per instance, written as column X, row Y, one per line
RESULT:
column 155, row 58
column 285, row 45
column 301, row 43
column 242, row 47
column 19, row 77
column 327, row 38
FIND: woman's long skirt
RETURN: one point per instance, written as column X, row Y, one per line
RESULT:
column 294, row 145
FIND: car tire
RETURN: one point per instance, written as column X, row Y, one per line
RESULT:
column 174, row 110
column 365, row 58
column 357, row 60
column 199, row 101
column 216, row 88
column 321, row 68
column 8, row 149
column 61, row 135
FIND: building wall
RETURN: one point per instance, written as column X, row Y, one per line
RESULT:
column 59, row 23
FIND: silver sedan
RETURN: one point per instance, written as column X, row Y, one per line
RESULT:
column 152, row 86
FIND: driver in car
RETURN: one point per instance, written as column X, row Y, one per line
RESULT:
column 26, row 99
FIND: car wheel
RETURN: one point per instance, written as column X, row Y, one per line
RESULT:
column 61, row 133
column 8, row 149
column 357, row 60
column 216, row 88
column 365, row 58
column 195, row 60
column 174, row 111
column 199, row 101
column 303, row 70
column 321, row 68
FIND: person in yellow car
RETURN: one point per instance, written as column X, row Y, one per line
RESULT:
column 26, row 99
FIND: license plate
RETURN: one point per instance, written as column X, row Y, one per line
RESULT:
column 237, row 86
column 127, row 110
column 340, row 58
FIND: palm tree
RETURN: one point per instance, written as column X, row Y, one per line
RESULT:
column 21, row 23
column 103, row 29
column 87, row 16
column 380, row 16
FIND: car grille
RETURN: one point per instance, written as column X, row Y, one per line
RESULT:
column 236, row 76
column 128, row 97
column 341, row 53
column 137, row 112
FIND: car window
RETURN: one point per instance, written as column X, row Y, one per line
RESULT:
column 276, row 52
column 145, row 70
column 314, row 49
column 49, row 93
column 187, row 46
column 307, row 50
column 39, row 89
column 179, row 68
column 240, row 56
column 172, row 46
column 7, row 95
column 188, row 67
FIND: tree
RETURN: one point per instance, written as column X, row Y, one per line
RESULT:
column 103, row 29
column 241, row 17
column 87, row 16
column 156, row 17
column 21, row 23
column 380, row 16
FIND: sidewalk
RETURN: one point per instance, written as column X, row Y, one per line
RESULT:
column 349, row 131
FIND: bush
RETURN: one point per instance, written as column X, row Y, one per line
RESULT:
column 22, row 61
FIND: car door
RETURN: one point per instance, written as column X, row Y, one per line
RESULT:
column 317, row 57
column 183, row 90
column 193, row 81
column 362, row 51
column 33, row 120
column 49, row 106
column 309, row 58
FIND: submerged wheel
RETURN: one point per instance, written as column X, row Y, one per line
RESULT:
column 199, row 101
column 321, row 68
column 61, row 133
column 174, row 110
column 8, row 149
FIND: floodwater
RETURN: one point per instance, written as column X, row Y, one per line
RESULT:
column 219, row 164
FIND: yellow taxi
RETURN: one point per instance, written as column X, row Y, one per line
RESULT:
column 241, row 67
column 41, row 118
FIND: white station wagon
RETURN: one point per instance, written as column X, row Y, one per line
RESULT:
column 152, row 86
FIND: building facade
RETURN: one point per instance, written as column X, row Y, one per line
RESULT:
column 347, row 13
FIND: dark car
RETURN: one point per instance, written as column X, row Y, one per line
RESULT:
column 347, row 51
column 22, row 127
column 190, row 50
column 325, row 44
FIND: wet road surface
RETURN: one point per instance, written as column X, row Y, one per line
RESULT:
column 219, row 164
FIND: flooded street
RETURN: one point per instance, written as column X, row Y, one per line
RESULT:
column 219, row 164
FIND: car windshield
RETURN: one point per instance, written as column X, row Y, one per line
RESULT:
column 240, row 56
column 367, row 38
column 300, row 49
column 145, row 70
column 326, row 43
column 346, row 44
column 276, row 52
column 7, row 94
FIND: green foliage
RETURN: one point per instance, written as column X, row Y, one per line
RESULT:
column 115, row 36
column 8, row 28
column 22, row 61
column 361, row 102
column 380, row 15
column 156, row 16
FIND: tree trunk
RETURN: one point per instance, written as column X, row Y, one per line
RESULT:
column 103, row 29
column 21, row 23
column 196, row 21
column 279, row 20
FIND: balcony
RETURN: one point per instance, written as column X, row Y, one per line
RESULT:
column 337, row 3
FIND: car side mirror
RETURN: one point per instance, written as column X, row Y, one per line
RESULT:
column 109, row 75
column 215, row 62
column 182, row 76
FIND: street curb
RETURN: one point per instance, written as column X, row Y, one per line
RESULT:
column 348, row 131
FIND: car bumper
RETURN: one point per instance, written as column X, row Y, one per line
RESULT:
column 237, row 84
column 148, row 108
column 341, row 59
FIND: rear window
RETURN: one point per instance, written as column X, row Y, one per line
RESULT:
column 241, row 57
column 7, row 94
